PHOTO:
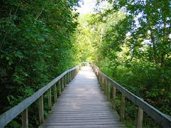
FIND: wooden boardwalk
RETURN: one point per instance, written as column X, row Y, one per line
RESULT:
column 83, row 105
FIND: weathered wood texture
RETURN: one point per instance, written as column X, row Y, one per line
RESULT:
column 162, row 119
column 83, row 105
column 22, row 107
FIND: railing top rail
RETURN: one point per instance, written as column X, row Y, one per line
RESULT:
column 9, row 115
column 158, row 116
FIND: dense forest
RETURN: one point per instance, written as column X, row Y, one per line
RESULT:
column 129, row 40
column 36, row 45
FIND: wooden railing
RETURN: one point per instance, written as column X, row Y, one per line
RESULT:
column 110, row 87
column 57, row 85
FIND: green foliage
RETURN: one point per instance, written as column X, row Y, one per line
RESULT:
column 131, row 44
column 84, row 39
column 36, row 45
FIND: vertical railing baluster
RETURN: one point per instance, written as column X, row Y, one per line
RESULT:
column 105, row 83
column 100, row 77
column 64, row 81
column 111, row 92
column 108, row 89
column 69, row 76
column 122, row 110
column 114, row 97
column 102, row 82
column 49, row 99
column 139, row 118
column 62, row 85
column 41, row 110
column 58, row 89
column 55, row 93
column 67, row 79
column 25, row 118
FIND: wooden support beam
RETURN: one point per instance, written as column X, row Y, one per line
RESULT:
column 103, row 87
column 25, row 118
column 62, row 84
column 103, row 83
column 114, row 97
column 67, row 78
column 70, row 76
column 139, row 118
column 55, row 93
column 108, row 90
column 65, row 81
column 41, row 110
column 59, row 88
column 100, row 80
column 106, row 86
column 49, row 99
column 111, row 92
column 122, row 109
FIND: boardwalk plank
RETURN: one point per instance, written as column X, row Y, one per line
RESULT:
column 83, row 105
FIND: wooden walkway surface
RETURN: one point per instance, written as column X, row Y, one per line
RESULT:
column 83, row 105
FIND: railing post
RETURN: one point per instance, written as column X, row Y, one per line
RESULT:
column 99, row 79
column 122, row 110
column 111, row 92
column 59, row 87
column 97, row 76
column 139, row 118
column 65, row 81
column 114, row 96
column 97, row 72
column 102, row 83
column 49, row 99
column 55, row 93
column 62, row 84
column 106, row 86
column 67, row 78
column 71, row 74
column 41, row 109
column 108, row 89
column 25, row 118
